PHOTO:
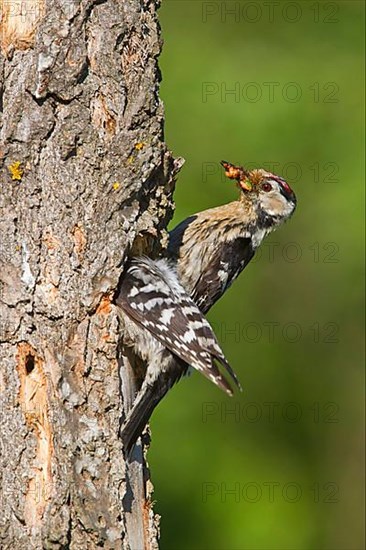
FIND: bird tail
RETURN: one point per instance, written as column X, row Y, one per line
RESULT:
column 148, row 397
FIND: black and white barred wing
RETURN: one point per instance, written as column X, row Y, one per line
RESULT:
column 228, row 262
column 151, row 295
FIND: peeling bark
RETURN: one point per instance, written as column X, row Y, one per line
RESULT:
column 86, row 180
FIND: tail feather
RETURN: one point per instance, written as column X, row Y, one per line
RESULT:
column 148, row 397
column 221, row 359
column 138, row 417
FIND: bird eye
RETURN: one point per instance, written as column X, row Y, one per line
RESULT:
column 266, row 187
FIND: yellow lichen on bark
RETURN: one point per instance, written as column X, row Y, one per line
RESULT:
column 16, row 170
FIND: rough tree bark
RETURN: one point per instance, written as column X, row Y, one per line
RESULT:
column 86, row 180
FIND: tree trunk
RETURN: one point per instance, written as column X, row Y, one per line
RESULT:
column 86, row 180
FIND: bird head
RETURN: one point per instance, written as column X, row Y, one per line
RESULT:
column 265, row 190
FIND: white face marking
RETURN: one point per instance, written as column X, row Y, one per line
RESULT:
column 274, row 203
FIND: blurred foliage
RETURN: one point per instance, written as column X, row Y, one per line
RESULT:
column 279, row 466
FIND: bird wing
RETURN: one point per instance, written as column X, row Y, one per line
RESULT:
column 150, row 294
column 226, row 264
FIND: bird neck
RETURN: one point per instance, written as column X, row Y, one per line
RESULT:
column 265, row 220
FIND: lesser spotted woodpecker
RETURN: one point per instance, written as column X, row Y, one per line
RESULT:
column 163, row 301
column 169, row 333
column 211, row 248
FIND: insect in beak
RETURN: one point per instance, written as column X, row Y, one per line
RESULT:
column 245, row 184
column 239, row 174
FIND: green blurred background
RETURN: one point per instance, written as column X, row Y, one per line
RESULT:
column 281, row 465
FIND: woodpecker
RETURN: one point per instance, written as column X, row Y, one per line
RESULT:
column 211, row 248
column 169, row 333
column 163, row 302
